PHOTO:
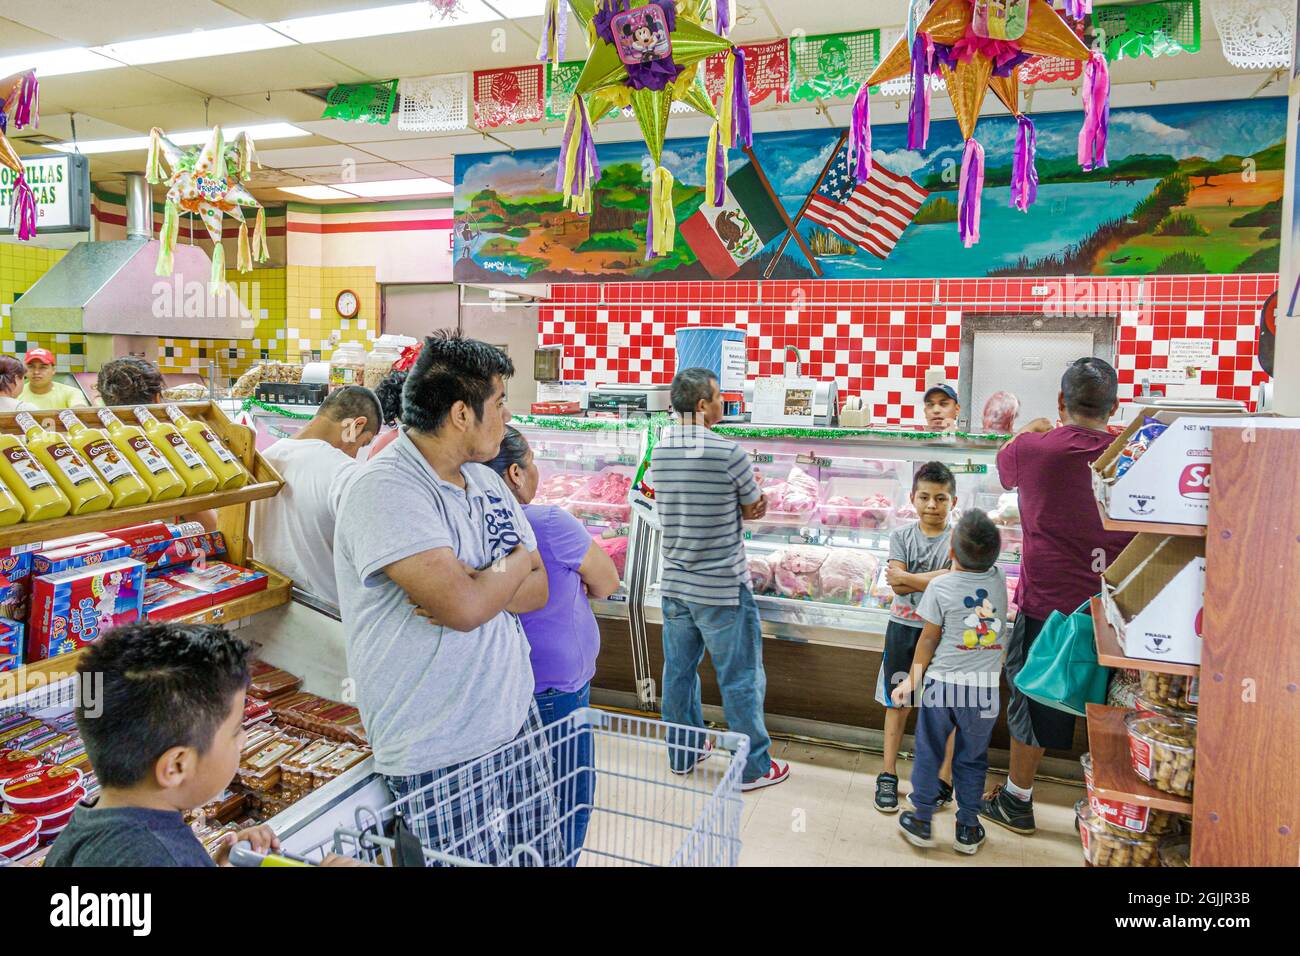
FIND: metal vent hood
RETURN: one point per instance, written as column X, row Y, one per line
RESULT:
column 110, row 287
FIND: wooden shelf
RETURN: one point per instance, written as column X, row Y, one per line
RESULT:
column 279, row 591
column 1110, row 654
column 39, row 674
column 123, row 517
column 1182, row 530
column 1112, row 769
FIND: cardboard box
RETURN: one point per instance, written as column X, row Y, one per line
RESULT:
column 223, row 581
column 165, row 600
column 11, row 636
column 1154, row 596
column 79, row 555
column 73, row 608
column 1170, row 483
column 182, row 550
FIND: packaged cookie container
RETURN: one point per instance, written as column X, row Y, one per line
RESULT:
column 1168, row 690
column 41, row 791
column 296, row 771
column 1163, row 751
column 17, row 763
column 1177, row 852
column 1105, row 846
column 1127, row 817
column 261, row 769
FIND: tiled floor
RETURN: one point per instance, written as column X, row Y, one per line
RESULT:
column 823, row 815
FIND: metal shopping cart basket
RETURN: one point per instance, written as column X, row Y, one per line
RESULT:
column 593, row 789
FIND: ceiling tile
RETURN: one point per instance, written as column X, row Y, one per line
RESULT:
column 345, row 132
column 311, row 156
column 296, row 67
column 129, row 19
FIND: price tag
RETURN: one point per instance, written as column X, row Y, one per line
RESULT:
column 760, row 459
column 969, row 468
column 626, row 460
column 813, row 460
column 277, row 432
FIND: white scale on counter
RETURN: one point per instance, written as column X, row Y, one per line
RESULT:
column 616, row 397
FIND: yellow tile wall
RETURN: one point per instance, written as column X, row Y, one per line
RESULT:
column 262, row 290
column 311, row 318
column 20, row 266
column 294, row 315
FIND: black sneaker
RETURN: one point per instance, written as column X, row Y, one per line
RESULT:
column 1006, row 811
column 943, row 800
column 887, row 793
column 916, row 832
column 969, row 839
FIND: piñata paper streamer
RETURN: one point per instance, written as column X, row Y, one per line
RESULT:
column 918, row 113
column 1096, row 114
column 1024, row 172
column 743, row 134
column 859, row 152
column 968, row 193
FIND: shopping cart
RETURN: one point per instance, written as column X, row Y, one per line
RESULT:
column 616, row 798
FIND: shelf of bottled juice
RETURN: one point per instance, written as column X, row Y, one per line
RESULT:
column 91, row 469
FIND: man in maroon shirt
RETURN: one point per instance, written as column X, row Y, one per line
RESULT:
column 1065, row 551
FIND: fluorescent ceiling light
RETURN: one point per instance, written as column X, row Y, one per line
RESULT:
column 398, row 187
column 517, row 9
column 315, row 192
column 125, row 144
column 195, row 44
column 57, row 62
column 378, row 21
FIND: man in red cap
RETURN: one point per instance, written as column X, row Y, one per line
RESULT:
column 41, row 391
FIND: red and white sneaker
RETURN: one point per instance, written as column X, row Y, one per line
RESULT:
column 706, row 753
column 779, row 772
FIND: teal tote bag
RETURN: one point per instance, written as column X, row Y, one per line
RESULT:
column 1061, row 670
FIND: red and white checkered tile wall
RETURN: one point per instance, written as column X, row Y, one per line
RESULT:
column 878, row 338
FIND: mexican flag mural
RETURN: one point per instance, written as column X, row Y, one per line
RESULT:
column 725, row 238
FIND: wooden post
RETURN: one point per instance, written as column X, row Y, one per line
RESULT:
column 802, row 209
column 1246, row 804
column 785, row 216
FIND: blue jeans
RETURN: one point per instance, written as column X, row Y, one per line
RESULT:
column 972, row 712
column 571, row 766
column 734, row 641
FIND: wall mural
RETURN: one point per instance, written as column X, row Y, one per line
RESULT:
column 1191, row 188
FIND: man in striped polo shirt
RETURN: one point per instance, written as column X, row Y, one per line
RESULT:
column 703, row 485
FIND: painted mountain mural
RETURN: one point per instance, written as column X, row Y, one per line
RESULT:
column 1191, row 188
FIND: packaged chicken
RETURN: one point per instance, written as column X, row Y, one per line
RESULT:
column 790, row 500
column 794, row 570
column 760, row 573
column 846, row 576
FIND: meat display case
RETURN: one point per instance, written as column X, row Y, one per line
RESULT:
column 587, row 466
column 818, row 558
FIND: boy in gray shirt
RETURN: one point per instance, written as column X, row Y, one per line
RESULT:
column 918, row 553
column 957, row 664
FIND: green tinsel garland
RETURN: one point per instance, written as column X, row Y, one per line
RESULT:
column 275, row 410
column 565, row 423
column 831, row 434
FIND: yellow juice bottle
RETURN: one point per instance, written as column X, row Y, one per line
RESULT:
column 230, row 473
column 199, row 479
column 31, row 484
column 84, row 488
column 107, row 459
column 164, row 482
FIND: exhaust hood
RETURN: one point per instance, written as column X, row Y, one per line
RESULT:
column 110, row 287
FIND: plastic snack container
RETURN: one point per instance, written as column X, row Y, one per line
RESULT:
column 1163, row 751
column 1173, row 691
column 1104, row 846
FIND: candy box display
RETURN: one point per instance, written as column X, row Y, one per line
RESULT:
column 223, row 581
column 99, row 551
column 15, row 580
column 11, row 637
column 181, row 550
column 165, row 600
column 72, row 608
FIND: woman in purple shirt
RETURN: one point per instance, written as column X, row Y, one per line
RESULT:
column 563, row 636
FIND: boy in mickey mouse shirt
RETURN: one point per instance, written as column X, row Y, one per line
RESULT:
column 956, row 667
